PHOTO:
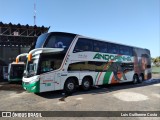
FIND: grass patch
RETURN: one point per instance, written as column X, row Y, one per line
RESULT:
column 155, row 70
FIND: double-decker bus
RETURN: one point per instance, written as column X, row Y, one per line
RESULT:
column 65, row 61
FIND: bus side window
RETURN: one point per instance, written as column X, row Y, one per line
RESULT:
column 113, row 48
column 86, row 48
column 96, row 49
column 96, row 46
column 124, row 50
column 78, row 47
column 83, row 44
column 99, row 66
column 130, row 51
column 100, row 46
column 103, row 47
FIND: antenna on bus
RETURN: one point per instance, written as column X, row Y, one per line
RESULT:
column 34, row 12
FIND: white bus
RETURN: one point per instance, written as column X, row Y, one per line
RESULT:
column 65, row 61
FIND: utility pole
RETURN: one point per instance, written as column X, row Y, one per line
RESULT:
column 34, row 12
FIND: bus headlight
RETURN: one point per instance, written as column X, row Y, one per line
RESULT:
column 33, row 87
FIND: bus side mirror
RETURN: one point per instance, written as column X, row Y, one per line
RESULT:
column 29, row 57
column 17, row 60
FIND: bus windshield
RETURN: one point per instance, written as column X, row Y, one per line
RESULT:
column 40, row 41
column 44, row 63
column 32, row 67
column 54, row 40
column 16, row 71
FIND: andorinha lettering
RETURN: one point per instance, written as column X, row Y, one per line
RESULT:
column 112, row 57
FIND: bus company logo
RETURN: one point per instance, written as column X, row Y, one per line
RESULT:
column 107, row 57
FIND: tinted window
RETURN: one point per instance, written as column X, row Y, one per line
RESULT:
column 83, row 45
column 113, row 48
column 16, row 71
column 58, row 41
column 32, row 67
column 40, row 41
column 100, row 66
column 124, row 50
column 76, row 66
column 127, row 66
column 54, row 40
column 130, row 51
column 50, row 62
column 87, row 65
column 100, row 46
column 116, row 67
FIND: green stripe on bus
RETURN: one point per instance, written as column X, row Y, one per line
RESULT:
column 32, row 87
column 106, row 77
column 96, row 77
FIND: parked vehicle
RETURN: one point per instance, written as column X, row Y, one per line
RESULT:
column 65, row 61
column 15, row 71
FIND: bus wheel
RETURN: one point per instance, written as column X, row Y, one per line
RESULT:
column 135, row 79
column 141, row 78
column 70, row 86
column 86, row 83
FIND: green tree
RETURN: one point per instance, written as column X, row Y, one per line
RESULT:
column 156, row 61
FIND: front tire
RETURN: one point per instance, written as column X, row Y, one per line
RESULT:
column 86, row 84
column 135, row 79
column 70, row 86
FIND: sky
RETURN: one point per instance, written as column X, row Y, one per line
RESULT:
column 131, row 22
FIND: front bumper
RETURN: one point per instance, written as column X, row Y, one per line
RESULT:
column 32, row 87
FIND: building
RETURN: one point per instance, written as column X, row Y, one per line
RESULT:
column 16, row 39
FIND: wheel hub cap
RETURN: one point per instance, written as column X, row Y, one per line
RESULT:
column 86, row 84
column 71, row 86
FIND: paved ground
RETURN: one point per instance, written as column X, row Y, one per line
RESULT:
column 123, row 97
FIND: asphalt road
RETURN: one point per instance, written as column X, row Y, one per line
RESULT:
column 122, row 97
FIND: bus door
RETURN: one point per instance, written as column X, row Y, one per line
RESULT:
column 50, row 82
column 57, row 81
